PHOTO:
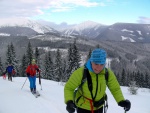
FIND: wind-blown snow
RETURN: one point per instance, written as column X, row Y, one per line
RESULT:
column 13, row 99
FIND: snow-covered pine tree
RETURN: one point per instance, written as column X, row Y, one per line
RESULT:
column 29, row 53
column 76, row 56
column 123, row 77
column 58, row 72
column 48, row 67
column 1, row 67
column 69, row 66
column 64, row 79
column 23, row 66
column 14, row 59
column 37, row 56
column 74, row 59
column 89, row 55
column 133, row 88
column 137, row 78
column 8, row 56
column 38, row 60
column 147, row 81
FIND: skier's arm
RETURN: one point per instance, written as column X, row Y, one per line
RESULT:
column 114, row 87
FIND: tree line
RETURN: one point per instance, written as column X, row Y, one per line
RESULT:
column 54, row 68
column 58, row 68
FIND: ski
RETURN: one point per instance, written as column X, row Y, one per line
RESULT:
column 37, row 94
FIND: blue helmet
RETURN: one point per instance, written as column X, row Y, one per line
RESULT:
column 98, row 56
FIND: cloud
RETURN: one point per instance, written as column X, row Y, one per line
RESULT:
column 144, row 20
column 29, row 8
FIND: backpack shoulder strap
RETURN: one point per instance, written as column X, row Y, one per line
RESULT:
column 106, row 74
column 84, row 77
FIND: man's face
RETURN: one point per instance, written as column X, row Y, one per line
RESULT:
column 97, row 68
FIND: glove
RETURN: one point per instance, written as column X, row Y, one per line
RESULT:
column 28, row 74
column 126, row 104
column 70, row 106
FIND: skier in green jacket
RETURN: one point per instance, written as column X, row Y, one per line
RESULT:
column 83, row 99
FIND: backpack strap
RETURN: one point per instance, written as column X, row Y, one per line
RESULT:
column 106, row 75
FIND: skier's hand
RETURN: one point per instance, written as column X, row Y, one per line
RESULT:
column 70, row 106
column 126, row 104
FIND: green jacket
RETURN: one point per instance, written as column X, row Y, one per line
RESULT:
column 75, row 80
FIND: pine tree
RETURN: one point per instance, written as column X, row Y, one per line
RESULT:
column 89, row 55
column 69, row 66
column 37, row 56
column 64, row 70
column 48, row 67
column 123, row 79
column 137, row 78
column 133, row 88
column 23, row 66
column 29, row 53
column 74, row 59
column 1, row 67
column 14, row 59
column 147, row 80
column 58, row 67
column 76, row 56
column 8, row 55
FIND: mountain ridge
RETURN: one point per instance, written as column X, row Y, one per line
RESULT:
column 126, row 32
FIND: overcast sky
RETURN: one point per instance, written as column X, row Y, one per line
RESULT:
column 77, row 11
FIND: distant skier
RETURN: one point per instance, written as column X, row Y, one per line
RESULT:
column 4, row 76
column 9, row 70
column 31, row 74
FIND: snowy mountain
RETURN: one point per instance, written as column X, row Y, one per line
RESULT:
column 17, row 100
column 22, row 22
column 126, row 32
column 59, row 27
column 87, row 29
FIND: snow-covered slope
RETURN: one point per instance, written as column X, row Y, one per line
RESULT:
column 13, row 99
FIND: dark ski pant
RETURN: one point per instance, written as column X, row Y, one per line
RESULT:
column 32, row 80
column 10, row 76
column 80, row 110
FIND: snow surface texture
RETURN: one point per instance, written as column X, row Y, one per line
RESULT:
column 13, row 99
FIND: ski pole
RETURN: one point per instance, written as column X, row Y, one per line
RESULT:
column 41, row 87
column 24, row 82
column 40, row 80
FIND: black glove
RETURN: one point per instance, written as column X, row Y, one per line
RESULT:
column 126, row 104
column 28, row 74
column 70, row 106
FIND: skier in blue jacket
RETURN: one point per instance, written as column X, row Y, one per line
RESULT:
column 9, row 70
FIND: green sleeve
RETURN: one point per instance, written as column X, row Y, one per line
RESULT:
column 73, row 82
column 114, row 87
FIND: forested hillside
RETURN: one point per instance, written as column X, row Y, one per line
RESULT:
column 57, row 56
